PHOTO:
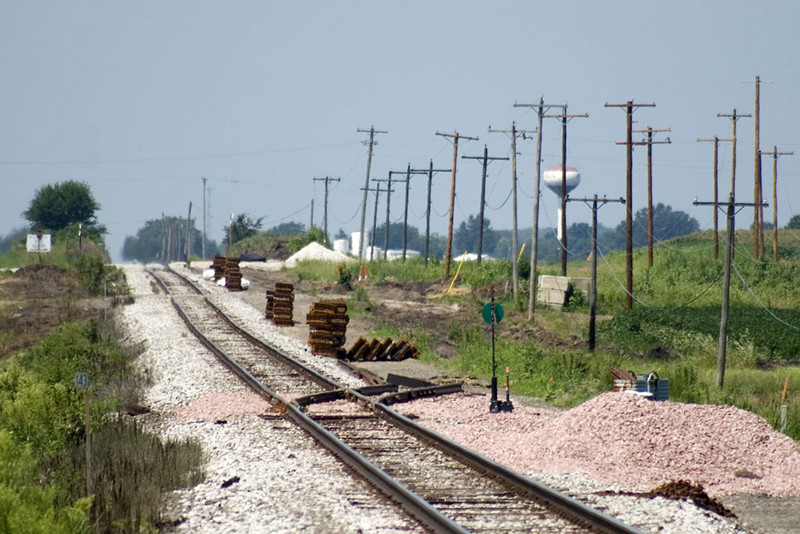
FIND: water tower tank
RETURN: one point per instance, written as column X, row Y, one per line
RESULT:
column 552, row 178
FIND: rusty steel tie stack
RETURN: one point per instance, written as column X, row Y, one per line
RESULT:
column 377, row 350
column 327, row 328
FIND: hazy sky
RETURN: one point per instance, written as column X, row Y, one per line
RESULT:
column 143, row 99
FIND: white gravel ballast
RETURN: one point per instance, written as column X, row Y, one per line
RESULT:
column 279, row 480
column 263, row 473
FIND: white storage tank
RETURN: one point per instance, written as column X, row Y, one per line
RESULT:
column 341, row 245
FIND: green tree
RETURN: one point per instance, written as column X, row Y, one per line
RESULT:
column 149, row 242
column 56, row 206
column 288, row 228
column 667, row 224
column 242, row 227
column 794, row 223
column 466, row 236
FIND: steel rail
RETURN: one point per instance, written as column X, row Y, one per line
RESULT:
column 572, row 507
column 413, row 503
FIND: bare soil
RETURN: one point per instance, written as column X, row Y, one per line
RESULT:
column 35, row 300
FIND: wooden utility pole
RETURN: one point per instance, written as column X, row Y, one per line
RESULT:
column 203, row 247
column 377, row 192
column 716, row 141
column 431, row 170
column 649, row 142
column 327, row 180
column 593, row 288
column 455, row 136
column 629, row 109
column 540, row 109
column 188, row 233
column 758, row 190
column 563, row 225
column 775, row 154
column 486, row 160
column 409, row 172
column 734, row 117
column 514, row 133
column 722, row 346
column 389, row 192
column 370, row 143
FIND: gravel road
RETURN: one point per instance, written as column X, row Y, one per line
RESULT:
column 285, row 484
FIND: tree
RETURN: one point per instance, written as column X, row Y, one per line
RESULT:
column 466, row 236
column 288, row 228
column 240, row 228
column 153, row 239
column 56, row 206
column 667, row 224
column 794, row 223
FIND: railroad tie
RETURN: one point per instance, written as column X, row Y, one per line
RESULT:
column 280, row 305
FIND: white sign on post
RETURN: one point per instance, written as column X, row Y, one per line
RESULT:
column 38, row 242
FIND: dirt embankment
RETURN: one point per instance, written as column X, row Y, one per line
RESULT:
column 35, row 300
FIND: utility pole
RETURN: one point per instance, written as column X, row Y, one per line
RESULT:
column 431, row 170
column 188, row 233
column 540, row 109
column 514, row 133
column 377, row 192
column 203, row 247
column 593, row 288
column 758, row 191
column 629, row 109
column 455, row 136
column 775, row 154
column 734, row 117
column 563, row 224
column 372, row 131
column 409, row 172
column 486, row 159
column 716, row 141
column 311, row 222
column 327, row 180
column 389, row 192
column 726, row 279
column 649, row 142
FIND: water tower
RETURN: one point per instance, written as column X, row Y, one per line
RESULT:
column 552, row 179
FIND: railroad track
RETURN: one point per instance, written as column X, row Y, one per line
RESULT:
column 444, row 486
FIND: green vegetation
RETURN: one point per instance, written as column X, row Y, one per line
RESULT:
column 42, row 442
column 672, row 328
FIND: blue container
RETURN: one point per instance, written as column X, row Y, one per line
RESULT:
column 658, row 388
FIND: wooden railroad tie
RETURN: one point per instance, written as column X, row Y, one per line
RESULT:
column 280, row 305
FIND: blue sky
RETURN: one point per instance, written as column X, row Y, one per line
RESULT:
column 141, row 100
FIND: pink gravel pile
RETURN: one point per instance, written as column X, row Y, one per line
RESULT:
column 627, row 440
column 221, row 406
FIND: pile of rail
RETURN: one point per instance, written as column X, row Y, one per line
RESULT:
column 327, row 328
column 382, row 351
column 227, row 268
column 280, row 305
